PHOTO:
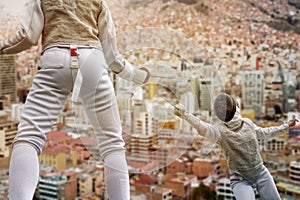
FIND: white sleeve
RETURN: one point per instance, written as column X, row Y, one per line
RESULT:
column 114, row 59
column 203, row 128
column 270, row 131
column 32, row 25
column 107, row 35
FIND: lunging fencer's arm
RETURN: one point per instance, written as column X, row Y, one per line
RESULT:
column 275, row 130
column 32, row 25
column 114, row 59
column 205, row 129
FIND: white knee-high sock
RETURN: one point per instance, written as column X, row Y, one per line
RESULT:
column 116, row 176
column 23, row 172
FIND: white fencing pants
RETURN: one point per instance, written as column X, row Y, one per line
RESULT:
column 50, row 88
column 243, row 189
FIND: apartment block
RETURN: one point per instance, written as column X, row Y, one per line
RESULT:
column 141, row 145
column 275, row 145
column 53, row 186
column 202, row 168
column 89, row 182
column 253, row 91
column 224, row 190
column 294, row 169
column 176, row 166
column 8, row 131
column 60, row 157
column 180, row 184
column 8, row 76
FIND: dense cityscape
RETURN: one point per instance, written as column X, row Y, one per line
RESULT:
column 249, row 49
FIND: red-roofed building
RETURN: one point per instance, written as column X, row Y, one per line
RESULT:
column 180, row 184
column 86, row 148
column 57, row 137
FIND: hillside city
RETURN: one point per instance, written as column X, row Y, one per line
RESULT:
column 249, row 49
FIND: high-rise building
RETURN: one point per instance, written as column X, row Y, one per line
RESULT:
column 8, row 131
column 143, row 139
column 8, row 77
column 205, row 95
column 57, row 186
column 253, row 91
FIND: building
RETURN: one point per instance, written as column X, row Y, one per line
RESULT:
column 57, row 186
column 253, row 91
column 8, row 77
column 275, row 145
column 159, row 156
column 294, row 175
column 180, row 184
column 202, row 168
column 224, row 190
column 176, row 166
column 143, row 139
column 8, row 131
column 141, row 146
column 16, row 110
column 205, row 95
column 293, row 146
column 288, row 191
column 87, row 183
column 153, row 192
column 60, row 157
column 294, row 131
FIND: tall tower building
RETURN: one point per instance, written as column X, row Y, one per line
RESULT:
column 253, row 91
column 205, row 95
column 142, row 138
column 8, row 131
column 8, row 77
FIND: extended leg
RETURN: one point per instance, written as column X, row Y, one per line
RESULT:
column 242, row 189
column 101, row 107
column 42, row 107
column 23, row 172
column 116, row 176
column 266, row 186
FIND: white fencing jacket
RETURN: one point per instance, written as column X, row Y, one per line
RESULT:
column 72, row 22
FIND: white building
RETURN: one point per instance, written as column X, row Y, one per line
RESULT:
column 224, row 190
column 16, row 110
column 253, row 91
column 205, row 95
column 294, row 169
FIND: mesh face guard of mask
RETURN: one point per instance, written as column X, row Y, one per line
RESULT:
column 225, row 107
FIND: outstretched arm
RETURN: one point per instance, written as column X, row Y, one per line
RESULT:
column 275, row 130
column 203, row 128
column 30, row 31
column 114, row 59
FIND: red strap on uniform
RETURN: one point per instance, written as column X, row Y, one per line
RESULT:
column 73, row 51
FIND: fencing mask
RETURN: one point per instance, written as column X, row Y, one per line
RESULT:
column 225, row 107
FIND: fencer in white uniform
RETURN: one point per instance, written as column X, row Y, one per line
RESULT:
column 79, row 47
